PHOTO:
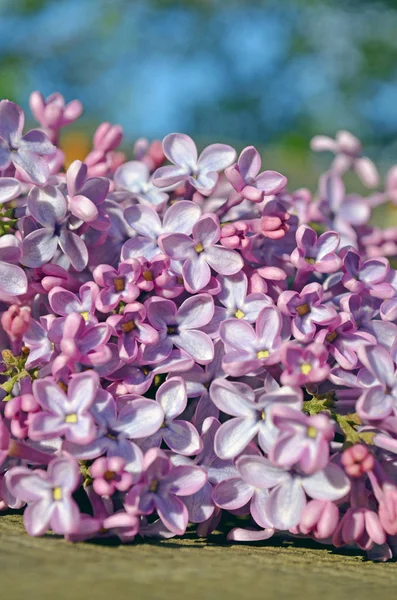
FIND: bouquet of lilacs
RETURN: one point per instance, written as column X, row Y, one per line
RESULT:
column 184, row 339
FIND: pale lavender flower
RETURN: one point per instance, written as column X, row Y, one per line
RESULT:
column 41, row 349
column 200, row 253
column 64, row 302
column 10, row 188
column 253, row 416
column 201, row 172
column 134, row 176
column 48, row 495
column 180, row 327
column 179, row 435
column 13, row 280
column 160, row 487
column 64, row 414
column 245, row 179
column 48, row 207
column 178, row 218
column 24, row 152
column 248, row 350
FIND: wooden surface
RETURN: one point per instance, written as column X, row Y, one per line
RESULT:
column 48, row 567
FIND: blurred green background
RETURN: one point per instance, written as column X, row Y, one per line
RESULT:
column 272, row 73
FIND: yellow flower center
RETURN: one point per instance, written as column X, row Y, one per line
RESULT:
column 119, row 284
column 263, row 415
column 262, row 354
column 311, row 432
column 128, row 326
column 108, row 475
column 306, row 368
column 311, row 261
column 239, row 314
column 153, row 486
column 63, row 386
column 331, row 336
column 57, row 493
column 72, row 418
column 147, row 275
column 199, row 247
column 303, row 310
column 85, row 315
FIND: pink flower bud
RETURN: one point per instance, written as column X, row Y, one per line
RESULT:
column 357, row 460
column 16, row 321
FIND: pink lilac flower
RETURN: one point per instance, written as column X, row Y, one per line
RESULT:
column 15, row 321
column 28, row 153
column 200, row 253
column 64, row 414
column 120, row 285
column 53, row 113
column 369, row 275
column 201, row 172
column 319, row 518
column 160, row 488
column 48, row 495
column 109, row 475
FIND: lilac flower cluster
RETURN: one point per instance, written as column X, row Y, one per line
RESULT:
column 182, row 336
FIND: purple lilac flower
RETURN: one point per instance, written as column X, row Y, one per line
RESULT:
column 201, row 172
column 314, row 254
column 248, row 350
column 53, row 113
column 109, row 475
column 245, row 179
column 180, row 327
column 10, row 188
column 319, row 518
column 369, row 275
column 48, row 207
column 307, row 311
column 26, row 152
column 48, row 495
column 119, row 284
column 178, row 218
column 130, row 328
column 379, row 400
column 200, row 253
column 254, row 415
column 160, row 488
